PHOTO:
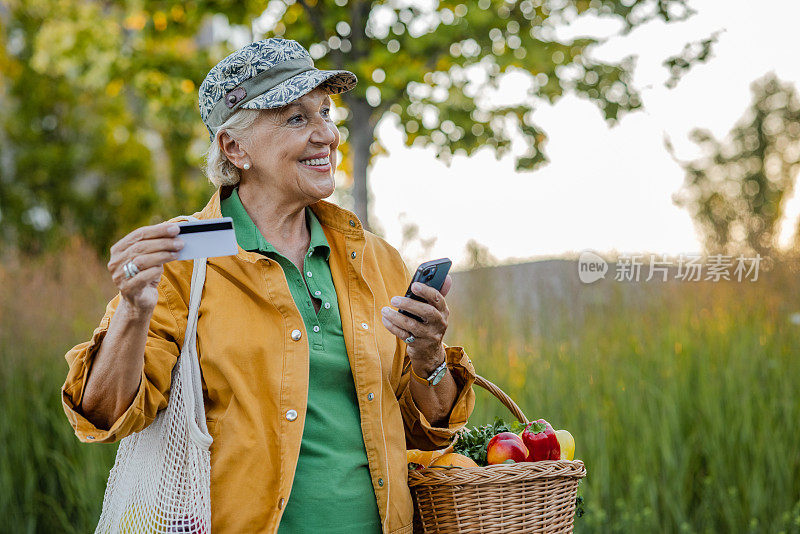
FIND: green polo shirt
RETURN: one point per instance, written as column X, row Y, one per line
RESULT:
column 332, row 490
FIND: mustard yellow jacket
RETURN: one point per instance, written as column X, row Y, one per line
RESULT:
column 254, row 373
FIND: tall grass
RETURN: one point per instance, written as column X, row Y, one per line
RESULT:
column 49, row 482
column 682, row 397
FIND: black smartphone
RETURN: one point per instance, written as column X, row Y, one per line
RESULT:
column 431, row 273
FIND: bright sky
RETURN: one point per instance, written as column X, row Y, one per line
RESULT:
column 605, row 188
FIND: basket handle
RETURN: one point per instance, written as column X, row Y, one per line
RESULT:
column 502, row 397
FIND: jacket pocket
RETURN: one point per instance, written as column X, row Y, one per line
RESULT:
column 212, row 423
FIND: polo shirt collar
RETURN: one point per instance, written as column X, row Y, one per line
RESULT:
column 250, row 238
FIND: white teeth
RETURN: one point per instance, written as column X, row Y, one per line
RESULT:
column 317, row 161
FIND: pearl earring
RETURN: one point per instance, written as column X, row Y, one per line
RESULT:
column 246, row 166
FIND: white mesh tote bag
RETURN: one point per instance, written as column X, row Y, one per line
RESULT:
column 161, row 479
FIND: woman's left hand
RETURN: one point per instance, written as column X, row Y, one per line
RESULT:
column 426, row 350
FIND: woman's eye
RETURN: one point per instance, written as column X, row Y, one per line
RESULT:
column 326, row 112
column 295, row 118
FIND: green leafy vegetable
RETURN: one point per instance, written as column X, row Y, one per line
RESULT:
column 473, row 441
column 579, row 511
column 580, row 502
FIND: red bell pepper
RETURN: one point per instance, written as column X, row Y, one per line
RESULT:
column 541, row 440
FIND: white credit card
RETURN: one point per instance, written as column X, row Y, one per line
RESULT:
column 208, row 238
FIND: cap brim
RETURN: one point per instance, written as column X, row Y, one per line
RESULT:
column 334, row 81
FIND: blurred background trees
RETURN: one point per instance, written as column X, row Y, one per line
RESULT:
column 99, row 132
column 737, row 192
column 98, row 119
column 99, row 129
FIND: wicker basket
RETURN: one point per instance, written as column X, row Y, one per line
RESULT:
column 534, row 497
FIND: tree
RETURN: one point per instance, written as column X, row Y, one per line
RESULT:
column 99, row 129
column 98, row 119
column 414, row 248
column 478, row 255
column 424, row 66
column 736, row 192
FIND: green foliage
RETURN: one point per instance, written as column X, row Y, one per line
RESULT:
column 737, row 192
column 49, row 481
column 692, row 53
column 99, row 128
column 473, row 442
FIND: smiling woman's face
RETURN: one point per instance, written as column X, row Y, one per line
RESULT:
column 293, row 148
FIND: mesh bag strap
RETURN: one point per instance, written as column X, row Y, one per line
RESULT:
column 189, row 363
column 161, row 479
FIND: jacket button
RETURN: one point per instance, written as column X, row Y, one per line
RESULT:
column 296, row 334
column 370, row 396
column 365, row 326
column 327, row 305
column 353, row 254
column 380, row 482
column 280, row 503
column 291, row 415
column 316, row 328
column 352, row 222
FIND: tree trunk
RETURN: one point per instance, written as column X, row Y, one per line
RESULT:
column 361, row 135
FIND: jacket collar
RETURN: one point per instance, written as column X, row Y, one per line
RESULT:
column 250, row 238
column 329, row 215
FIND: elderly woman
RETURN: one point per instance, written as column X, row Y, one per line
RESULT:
column 313, row 385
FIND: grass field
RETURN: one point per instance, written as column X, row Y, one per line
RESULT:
column 49, row 482
column 683, row 397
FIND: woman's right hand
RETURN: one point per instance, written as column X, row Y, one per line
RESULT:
column 149, row 248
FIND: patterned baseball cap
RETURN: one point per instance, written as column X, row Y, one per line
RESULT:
column 262, row 75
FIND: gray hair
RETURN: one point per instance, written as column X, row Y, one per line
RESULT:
column 219, row 169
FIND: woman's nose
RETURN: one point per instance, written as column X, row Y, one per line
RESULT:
column 324, row 132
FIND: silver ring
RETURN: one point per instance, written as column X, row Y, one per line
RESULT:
column 130, row 269
column 410, row 339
